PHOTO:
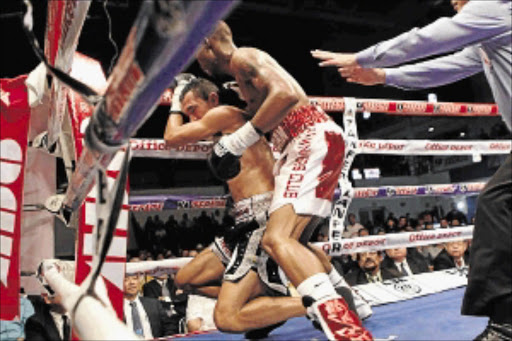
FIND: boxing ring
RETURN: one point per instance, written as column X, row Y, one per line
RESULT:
column 388, row 319
column 435, row 317
column 103, row 149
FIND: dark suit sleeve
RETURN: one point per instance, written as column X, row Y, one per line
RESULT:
column 443, row 261
column 34, row 330
column 151, row 289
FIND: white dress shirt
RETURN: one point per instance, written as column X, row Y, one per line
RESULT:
column 146, row 326
column 406, row 267
column 59, row 323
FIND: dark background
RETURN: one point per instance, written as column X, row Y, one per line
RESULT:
column 287, row 30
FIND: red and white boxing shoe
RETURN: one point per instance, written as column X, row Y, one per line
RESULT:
column 335, row 319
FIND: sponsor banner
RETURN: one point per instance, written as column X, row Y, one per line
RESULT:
column 158, row 149
column 14, row 124
column 158, row 267
column 172, row 202
column 423, row 190
column 405, row 288
column 338, row 246
column 337, row 104
column 428, row 147
column 450, row 162
column 176, row 202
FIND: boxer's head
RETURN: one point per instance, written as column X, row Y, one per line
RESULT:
column 215, row 53
column 458, row 4
column 197, row 97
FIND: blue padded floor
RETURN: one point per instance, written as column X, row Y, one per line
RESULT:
column 433, row 317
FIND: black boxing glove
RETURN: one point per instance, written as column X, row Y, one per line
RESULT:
column 224, row 160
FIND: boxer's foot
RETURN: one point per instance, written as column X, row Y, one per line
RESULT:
column 335, row 319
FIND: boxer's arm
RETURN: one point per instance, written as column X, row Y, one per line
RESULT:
column 436, row 72
column 476, row 22
column 174, row 120
column 216, row 120
column 280, row 95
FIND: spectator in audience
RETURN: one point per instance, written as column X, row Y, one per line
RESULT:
column 134, row 259
column 390, row 225
column 352, row 228
column 160, row 287
column 363, row 232
column 200, row 313
column 453, row 256
column 454, row 222
column 144, row 315
column 380, row 231
column 368, row 270
column 50, row 321
column 444, row 223
column 184, row 253
column 15, row 329
column 456, row 214
column 192, row 253
column 402, row 223
column 404, row 262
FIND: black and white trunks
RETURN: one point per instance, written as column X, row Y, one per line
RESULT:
column 248, row 254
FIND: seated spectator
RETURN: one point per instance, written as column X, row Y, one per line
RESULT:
column 192, row 253
column 363, row 232
column 455, row 214
column 430, row 252
column 352, row 228
column 144, row 315
column 161, row 288
column 390, row 226
column 50, row 321
column 444, row 223
column 453, row 256
column 200, row 313
column 368, row 270
column 402, row 223
column 15, row 329
column 344, row 263
column 404, row 262
column 454, row 222
column 380, row 231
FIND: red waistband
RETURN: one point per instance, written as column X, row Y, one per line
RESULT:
column 296, row 122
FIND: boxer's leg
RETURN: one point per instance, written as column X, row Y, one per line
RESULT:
column 202, row 275
column 239, row 307
column 281, row 241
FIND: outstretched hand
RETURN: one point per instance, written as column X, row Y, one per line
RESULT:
column 363, row 76
column 335, row 59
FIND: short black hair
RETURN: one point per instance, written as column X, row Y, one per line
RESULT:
column 201, row 87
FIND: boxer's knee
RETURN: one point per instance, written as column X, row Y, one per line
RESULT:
column 226, row 320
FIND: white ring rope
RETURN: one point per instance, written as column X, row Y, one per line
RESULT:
column 394, row 107
column 156, row 148
column 334, row 248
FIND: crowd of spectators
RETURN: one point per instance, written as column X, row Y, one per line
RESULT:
column 157, row 239
column 376, row 266
column 185, row 312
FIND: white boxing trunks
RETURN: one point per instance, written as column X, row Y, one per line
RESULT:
column 248, row 254
column 312, row 150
